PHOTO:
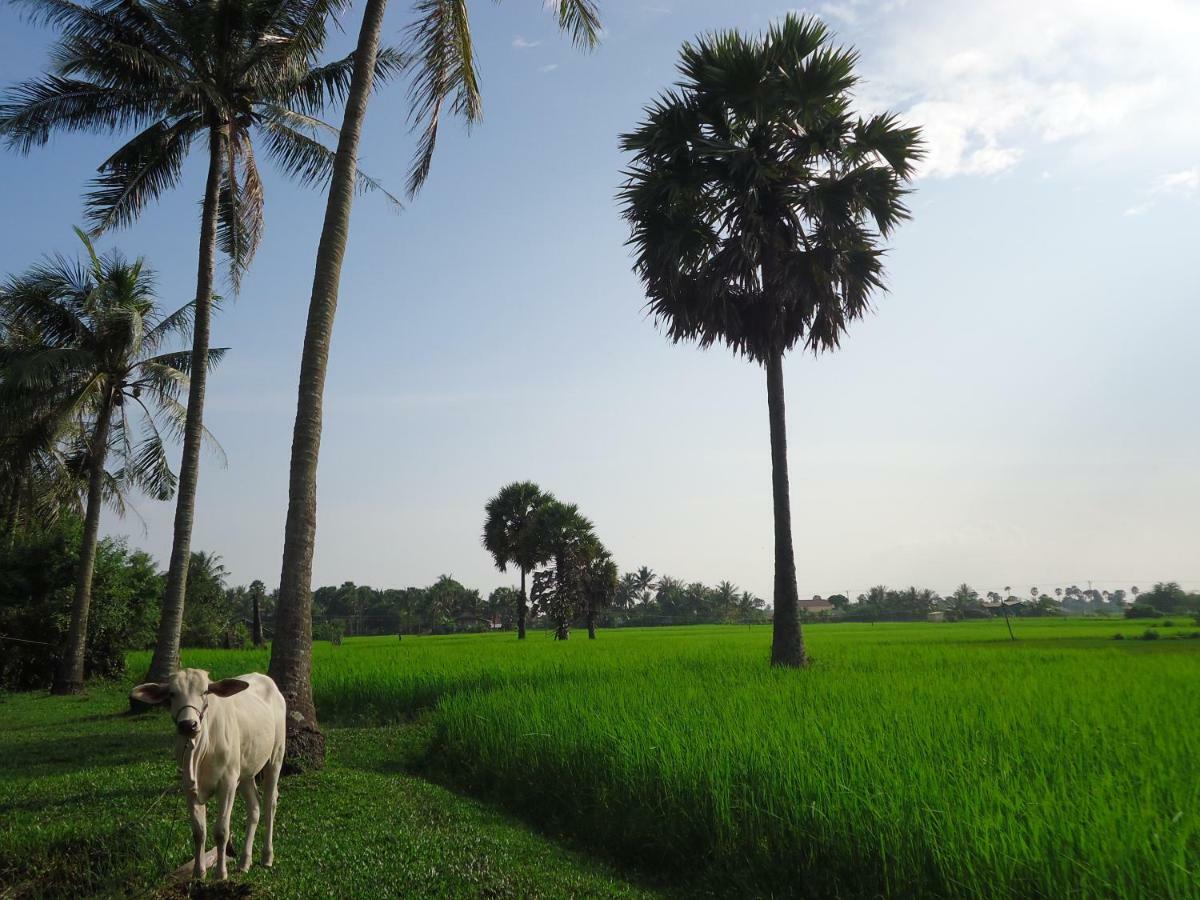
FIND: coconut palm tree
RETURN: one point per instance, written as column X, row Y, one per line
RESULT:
column 443, row 71
column 508, row 537
column 757, row 204
column 227, row 74
column 95, row 368
column 646, row 583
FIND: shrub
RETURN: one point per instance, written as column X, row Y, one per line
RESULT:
column 1142, row 611
column 1150, row 635
column 1118, row 636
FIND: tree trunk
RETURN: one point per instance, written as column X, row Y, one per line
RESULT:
column 69, row 679
column 563, row 631
column 291, row 650
column 166, row 648
column 591, row 623
column 787, row 643
column 256, row 621
column 521, row 608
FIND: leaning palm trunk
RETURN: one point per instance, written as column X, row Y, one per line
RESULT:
column 166, row 647
column 787, row 643
column 256, row 622
column 70, row 669
column 291, row 650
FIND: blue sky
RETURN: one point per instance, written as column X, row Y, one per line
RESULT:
column 1020, row 409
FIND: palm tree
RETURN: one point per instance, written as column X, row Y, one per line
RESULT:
column 444, row 71
column 571, row 543
column 507, row 535
column 223, row 73
column 96, row 365
column 646, row 583
column 757, row 205
column 598, row 583
column 964, row 599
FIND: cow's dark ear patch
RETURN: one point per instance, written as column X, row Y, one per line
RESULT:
column 227, row 687
column 151, row 693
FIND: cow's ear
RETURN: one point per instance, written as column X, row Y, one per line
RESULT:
column 227, row 687
column 151, row 693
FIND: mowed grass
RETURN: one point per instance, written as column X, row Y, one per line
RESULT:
column 909, row 760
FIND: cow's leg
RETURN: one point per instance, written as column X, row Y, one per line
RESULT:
column 225, row 794
column 250, row 798
column 199, row 826
column 270, row 793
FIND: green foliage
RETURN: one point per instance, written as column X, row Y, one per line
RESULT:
column 37, row 576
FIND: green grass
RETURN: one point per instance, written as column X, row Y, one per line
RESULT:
column 83, row 814
column 911, row 759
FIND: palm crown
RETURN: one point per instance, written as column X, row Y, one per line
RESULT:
column 91, row 346
column 179, row 70
column 757, row 200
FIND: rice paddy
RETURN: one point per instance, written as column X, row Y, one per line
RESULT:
column 910, row 759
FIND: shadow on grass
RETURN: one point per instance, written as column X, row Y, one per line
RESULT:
column 53, row 755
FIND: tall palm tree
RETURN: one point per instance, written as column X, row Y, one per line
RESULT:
column 443, row 71
column 95, row 367
column 508, row 537
column 224, row 73
column 758, row 204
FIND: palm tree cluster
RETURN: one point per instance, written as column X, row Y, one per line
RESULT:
column 242, row 78
column 88, row 387
column 644, row 598
column 527, row 527
column 758, row 204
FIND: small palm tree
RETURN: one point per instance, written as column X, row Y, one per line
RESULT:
column 646, row 583
column 569, row 540
column 94, row 367
column 598, row 584
column 443, row 71
column 227, row 73
column 508, row 537
column 757, row 204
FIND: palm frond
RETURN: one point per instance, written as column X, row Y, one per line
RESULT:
column 443, row 60
column 143, row 170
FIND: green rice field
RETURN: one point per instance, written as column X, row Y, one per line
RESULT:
column 909, row 760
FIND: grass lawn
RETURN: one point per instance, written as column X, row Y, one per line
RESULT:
column 911, row 760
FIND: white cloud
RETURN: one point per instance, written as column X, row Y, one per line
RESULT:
column 548, row 68
column 519, row 43
column 1173, row 185
column 1105, row 82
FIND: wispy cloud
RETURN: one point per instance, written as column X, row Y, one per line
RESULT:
column 548, row 68
column 993, row 81
column 519, row 43
column 1185, row 184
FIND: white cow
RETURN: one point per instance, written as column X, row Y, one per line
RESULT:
column 227, row 732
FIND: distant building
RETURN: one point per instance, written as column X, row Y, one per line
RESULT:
column 815, row 605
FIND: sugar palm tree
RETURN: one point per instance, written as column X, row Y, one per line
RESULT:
column 443, row 72
column 93, row 367
column 598, row 584
column 570, row 543
column 758, row 204
column 227, row 74
column 508, row 537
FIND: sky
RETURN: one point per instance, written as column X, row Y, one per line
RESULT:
column 1019, row 410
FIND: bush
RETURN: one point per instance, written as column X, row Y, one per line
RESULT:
column 1118, row 636
column 37, row 582
column 1150, row 635
column 1142, row 611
